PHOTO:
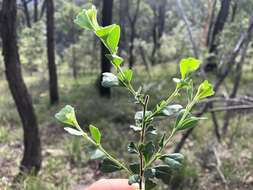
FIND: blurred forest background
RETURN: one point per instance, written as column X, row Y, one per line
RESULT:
column 48, row 62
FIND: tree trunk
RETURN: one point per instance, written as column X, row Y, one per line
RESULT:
column 31, row 161
column 123, row 11
column 35, row 14
column 27, row 14
column 74, row 62
column 43, row 8
column 132, row 22
column 188, row 27
column 53, row 83
column 219, row 24
column 105, row 63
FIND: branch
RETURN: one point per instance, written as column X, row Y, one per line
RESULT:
column 239, row 107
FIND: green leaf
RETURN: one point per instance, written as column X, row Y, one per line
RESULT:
column 73, row 131
column 163, row 172
column 95, row 133
column 108, row 166
column 148, row 151
column 175, row 156
column 188, row 123
column 87, row 19
column 109, row 80
column 132, row 148
column 174, row 164
column 205, row 90
column 188, row 66
column 135, row 128
column 150, row 130
column 149, row 173
column 161, row 142
column 149, row 185
column 67, row 116
column 115, row 60
column 96, row 154
column 110, row 36
column 171, row 110
column 126, row 76
column 135, row 168
column 139, row 115
column 134, row 179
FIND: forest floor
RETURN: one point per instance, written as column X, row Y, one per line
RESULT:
column 66, row 166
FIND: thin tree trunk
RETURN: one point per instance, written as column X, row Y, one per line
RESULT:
column 132, row 22
column 188, row 27
column 219, row 24
column 35, row 14
column 211, row 23
column 123, row 11
column 27, row 14
column 43, row 8
column 53, row 81
column 74, row 62
column 31, row 161
column 105, row 63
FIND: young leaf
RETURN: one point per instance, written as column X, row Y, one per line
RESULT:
column 107, row 166
column 171, row 110
column 188, row 123
column 126, row 76
column 96, row 154
column 109, row 80
column 67, row 115
column 139, row 115
column 132, row 148
column 188, row 65
column 134, row 179
column 135, row 128
column 73, row 131
column 110, row 36
column 205, row 89
column 88, row 19
column 95, row 133
column 115, row 60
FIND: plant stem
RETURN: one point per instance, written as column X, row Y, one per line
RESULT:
column 99, row 146
column 187, row 110
column 142, row 140
column 168, row 100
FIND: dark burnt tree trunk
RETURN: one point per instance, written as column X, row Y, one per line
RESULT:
column 213, row 41
column 43, row 8
column 123, row 11
column 132, row 21
column 219, row 24
column 31, row 161
column 105, row 63
column 35, row 14
column 53, row 82
column 27, row 14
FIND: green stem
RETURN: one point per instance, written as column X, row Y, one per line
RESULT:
column 99, row 146
column 142, row 141
column 167, row 101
